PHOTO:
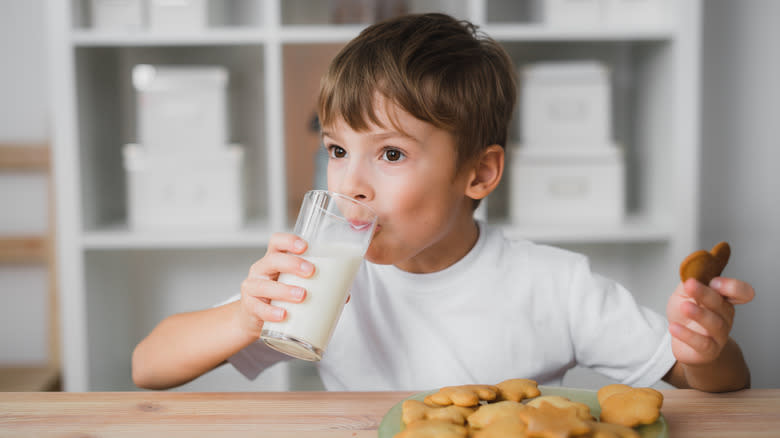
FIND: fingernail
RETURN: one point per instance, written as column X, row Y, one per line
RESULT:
column 298, row 293
column 299, row 245
column 716, row 283
column 307, row 267
column 278, row 314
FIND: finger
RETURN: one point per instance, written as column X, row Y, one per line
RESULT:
column 710, row 299
column 733, row 290
column 261, row 308
column 673, row 311
column 277, row 262
column 286, row 242
column 710, row 323
column 272, row 290
column 269, row 312
column 704, row 345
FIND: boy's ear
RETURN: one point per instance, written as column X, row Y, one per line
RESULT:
column 486, row 173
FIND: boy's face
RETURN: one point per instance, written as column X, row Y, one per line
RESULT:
column 409, row 177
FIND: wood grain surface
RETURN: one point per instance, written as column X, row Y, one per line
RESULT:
column 750, row 413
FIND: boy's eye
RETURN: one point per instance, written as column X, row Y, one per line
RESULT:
column 337, row 152
column 393, row 155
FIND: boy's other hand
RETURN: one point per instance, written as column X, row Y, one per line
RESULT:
column 701, row 317
column 261, row 285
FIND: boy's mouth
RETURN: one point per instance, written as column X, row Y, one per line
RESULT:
column 359, row 225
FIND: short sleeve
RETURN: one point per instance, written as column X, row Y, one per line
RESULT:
column 255, row 357
column 614, row 335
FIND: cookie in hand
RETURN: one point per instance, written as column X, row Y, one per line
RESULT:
column 705, row 265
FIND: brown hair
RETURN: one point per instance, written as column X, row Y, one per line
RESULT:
column 436, row 68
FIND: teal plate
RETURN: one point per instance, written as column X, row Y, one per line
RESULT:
column 391, row 422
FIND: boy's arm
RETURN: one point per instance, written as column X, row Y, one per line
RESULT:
column 186, row 345
column 700, row 320
column 728, row 373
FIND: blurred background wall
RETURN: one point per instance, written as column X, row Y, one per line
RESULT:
column 740, row 164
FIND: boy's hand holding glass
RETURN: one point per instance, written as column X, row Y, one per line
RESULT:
column 294, row 303
column 261, row 285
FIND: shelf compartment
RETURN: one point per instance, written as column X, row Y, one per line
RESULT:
column 316, row 12
column 642, row 126
column 106, row 103
column 219, row 14
column 210, row 37
column 604, row 16
column 533, row 32
column 129, row 292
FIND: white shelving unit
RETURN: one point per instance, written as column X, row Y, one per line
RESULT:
column 116, row 284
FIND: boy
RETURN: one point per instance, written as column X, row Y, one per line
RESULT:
column 414, row 116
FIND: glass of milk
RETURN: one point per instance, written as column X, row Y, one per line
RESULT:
column 338, row 230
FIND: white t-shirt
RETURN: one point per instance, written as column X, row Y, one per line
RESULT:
column 508, row 309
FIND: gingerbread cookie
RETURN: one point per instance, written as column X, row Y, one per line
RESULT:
column 583, row 411
column 609, row 430
column 622, row 404
column 548, row 421
column 433, row 429
column 517, row 389
column 415, row 410
column 505, row 427
column 463, row 395
column 491, row 412
column 705, row 265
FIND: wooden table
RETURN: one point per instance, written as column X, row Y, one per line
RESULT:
column 750, row 413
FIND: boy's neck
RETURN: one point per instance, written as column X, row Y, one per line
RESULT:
column 458, row 241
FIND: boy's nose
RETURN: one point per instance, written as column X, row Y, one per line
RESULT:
column 355, row 184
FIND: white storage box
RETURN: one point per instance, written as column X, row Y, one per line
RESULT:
column 574, row 186
column 569, row 13
column 181, row 109
column 118, row 15
column 177, row 15
column 565, row 103
column 174, row 191
column 635, row 13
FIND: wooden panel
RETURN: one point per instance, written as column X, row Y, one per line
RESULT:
column 304, row 65
column 24, row 157
column 39, row 250
column 32, row 378
column 24, row 249
column 54, row 314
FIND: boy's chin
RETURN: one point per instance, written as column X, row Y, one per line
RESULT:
column 377, row 259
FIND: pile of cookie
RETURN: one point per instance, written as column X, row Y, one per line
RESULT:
column 516, row 408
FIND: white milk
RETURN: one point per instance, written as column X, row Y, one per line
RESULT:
column 314, row 319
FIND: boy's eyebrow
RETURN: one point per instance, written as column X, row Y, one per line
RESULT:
column 391, row 134
column 377, row 136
